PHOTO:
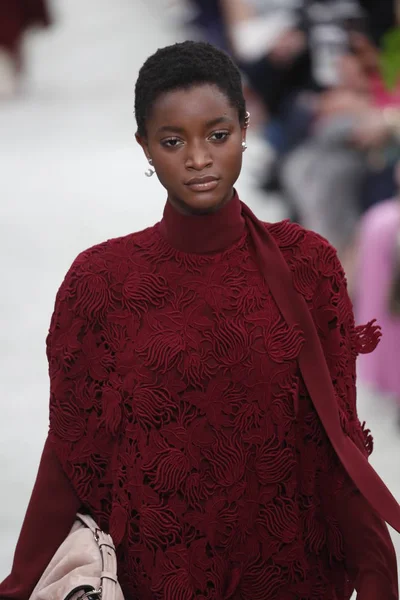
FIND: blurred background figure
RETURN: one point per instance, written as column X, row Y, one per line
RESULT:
column 377, row 292
column 315, row 65
column 16, row 17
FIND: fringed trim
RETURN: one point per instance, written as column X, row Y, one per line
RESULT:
column 367, row 337
column 360, row 435
column 368, row 439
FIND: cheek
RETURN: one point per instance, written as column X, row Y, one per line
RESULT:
column 166, row 178
column 168, row 168
column 232, row 160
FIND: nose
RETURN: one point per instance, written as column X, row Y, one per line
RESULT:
column 198, row 156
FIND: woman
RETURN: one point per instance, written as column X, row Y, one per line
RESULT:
column 179, row 417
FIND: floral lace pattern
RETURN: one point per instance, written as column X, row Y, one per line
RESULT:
column 174, row 384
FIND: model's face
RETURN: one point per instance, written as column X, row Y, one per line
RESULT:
column 194, row 139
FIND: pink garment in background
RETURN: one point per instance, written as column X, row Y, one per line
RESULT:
column 378, row 232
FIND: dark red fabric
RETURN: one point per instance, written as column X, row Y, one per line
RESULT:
column 18, row 15
column 48, row 520
column 369, row 554
column 316, row 374
column 180, row 417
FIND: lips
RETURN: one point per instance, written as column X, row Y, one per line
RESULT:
column 203, row 184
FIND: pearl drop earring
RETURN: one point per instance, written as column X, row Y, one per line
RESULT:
column 246, row 125
column 150, row 172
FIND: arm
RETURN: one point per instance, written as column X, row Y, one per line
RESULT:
column 369, row 554
column 75, row 465
column 48, row 520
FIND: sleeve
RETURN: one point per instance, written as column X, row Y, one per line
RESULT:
column 85, row 397
column 369, row 551
column 48, row 520
column 369, row 554
column 85, row 413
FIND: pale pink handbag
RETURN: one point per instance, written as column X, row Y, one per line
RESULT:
column 83, row 568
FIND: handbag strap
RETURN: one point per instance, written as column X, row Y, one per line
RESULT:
column 88, row 522
column 315, row 372
column 108, row 576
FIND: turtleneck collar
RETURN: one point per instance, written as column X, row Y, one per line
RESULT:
column 206, row 233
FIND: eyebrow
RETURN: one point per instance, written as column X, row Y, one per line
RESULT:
column 211, row 123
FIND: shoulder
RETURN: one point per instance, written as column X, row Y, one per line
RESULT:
column 88, row 286
column 309, row 255
column 105, row 259
column 298, row 239
column 319, row 276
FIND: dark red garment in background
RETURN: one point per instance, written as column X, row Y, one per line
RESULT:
column 16, row 16
column 179, row 418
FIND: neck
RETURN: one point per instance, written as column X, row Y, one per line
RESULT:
column 184, row 209
column 203, row 233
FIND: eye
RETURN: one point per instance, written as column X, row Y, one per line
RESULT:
column 219, row 136
column 171, row 142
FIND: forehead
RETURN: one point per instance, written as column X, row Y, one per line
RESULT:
column 200, row 102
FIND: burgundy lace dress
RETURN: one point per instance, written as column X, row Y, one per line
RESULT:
column 174, row 383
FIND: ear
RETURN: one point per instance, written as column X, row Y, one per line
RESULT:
column 245, row 125
column 142, row 141
column 244, row 133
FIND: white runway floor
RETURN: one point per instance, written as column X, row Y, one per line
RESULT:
column 71, row 176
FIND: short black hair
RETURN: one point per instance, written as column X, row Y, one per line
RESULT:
column 182, row 66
